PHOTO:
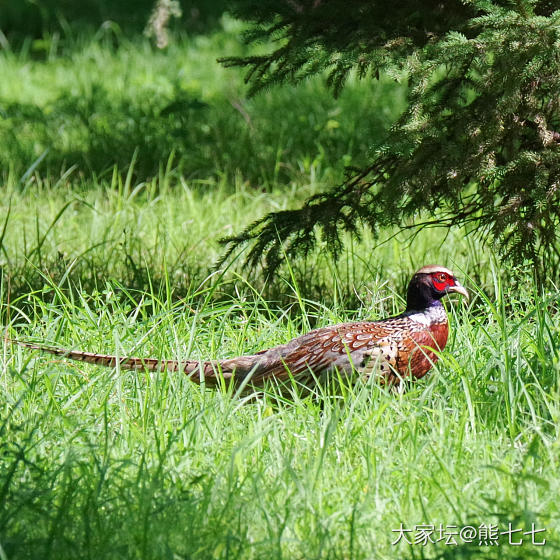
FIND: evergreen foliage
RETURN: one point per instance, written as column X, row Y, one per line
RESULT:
column 478, row 144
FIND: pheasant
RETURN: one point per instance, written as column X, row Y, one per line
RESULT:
column 400, row 347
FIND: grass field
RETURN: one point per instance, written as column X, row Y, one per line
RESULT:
column 121, row 168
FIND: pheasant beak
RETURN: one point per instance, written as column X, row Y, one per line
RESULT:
column 458, row 289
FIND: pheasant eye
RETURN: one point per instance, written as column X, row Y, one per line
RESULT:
column 440, row 280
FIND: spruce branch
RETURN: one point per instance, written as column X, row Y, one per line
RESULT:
column 478, row 144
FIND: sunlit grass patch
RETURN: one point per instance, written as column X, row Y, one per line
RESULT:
column 170, row 467
column 94, row 105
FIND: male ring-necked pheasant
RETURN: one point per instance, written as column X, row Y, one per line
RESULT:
column 394, row 348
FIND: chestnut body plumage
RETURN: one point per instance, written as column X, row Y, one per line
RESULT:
column 393, row 349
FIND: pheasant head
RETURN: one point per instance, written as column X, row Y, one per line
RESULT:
column 429, row 285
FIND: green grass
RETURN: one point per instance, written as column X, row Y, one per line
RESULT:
column 101, row 463
column 115, row 256
column 90, row 105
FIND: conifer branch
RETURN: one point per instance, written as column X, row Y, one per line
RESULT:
column 478, row 143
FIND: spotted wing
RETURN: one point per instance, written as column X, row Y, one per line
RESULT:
column 322, row 350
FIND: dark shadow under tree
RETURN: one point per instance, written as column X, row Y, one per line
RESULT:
column 24, row 19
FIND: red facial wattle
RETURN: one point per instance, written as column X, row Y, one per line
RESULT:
column 442, row 281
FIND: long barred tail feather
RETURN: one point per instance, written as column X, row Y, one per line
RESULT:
column 211, row 370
